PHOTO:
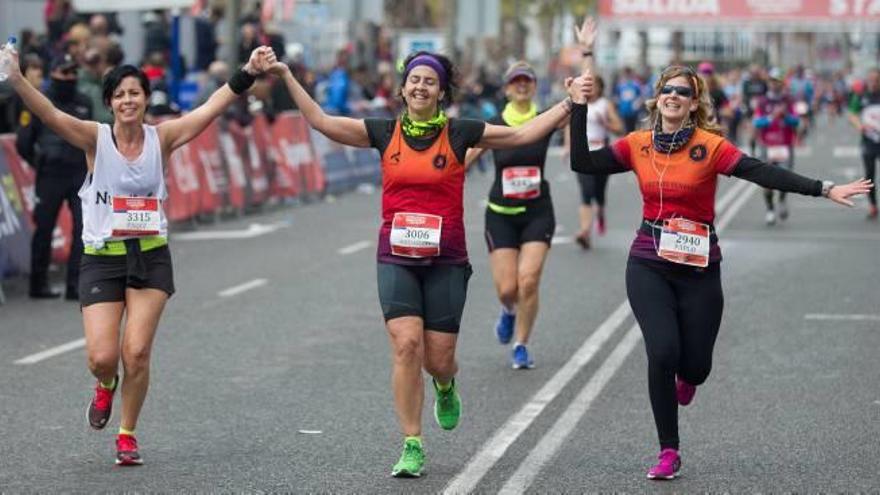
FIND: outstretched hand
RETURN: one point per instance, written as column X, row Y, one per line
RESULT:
column 841, row 194
column 262, row 58
column 579, row 88
column 586, row 33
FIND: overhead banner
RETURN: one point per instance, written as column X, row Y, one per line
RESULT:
column 742, row 10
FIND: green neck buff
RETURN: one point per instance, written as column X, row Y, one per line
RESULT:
column 418, row 129
column 515, row 118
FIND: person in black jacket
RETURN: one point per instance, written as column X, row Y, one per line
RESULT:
column 61, row 170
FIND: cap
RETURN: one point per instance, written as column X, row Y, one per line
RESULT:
column 706, row 68
column 64, row 63
column 775, row 73
column 519, row 69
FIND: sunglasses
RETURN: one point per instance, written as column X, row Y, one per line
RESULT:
column 683, row 91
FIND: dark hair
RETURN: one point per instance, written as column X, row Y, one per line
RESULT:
column 114, row 55
column 114, row 78
column 451, row 86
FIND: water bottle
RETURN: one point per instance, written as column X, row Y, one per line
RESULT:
column 6, row 58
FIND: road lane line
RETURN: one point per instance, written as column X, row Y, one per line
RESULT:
column 842, row 317
column 55, row 351
column 553, row 439
column 495, row 447
column 238, row 289
column 353, row 248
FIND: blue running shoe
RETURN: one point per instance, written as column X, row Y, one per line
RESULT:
column 521, row 359
column 504, row 327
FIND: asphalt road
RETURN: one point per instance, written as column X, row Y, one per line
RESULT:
column 271, row 366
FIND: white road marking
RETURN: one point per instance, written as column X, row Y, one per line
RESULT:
column 553, row 439
column 238, row 289
column 310, row 432
column 845, row 152
column 562, row 239
column 732, row 201
column 497, row 445
column 55, row 351
column 843, row 317
column 254, row 230
column 353, row 248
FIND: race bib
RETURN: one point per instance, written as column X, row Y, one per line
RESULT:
column 801, row 108
column 685, row 242
column 135, row 217
column 416, row 235
column 778, row 154
column 521, row 182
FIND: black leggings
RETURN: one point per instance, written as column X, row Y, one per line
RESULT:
column 678, row 308
column 870, row 156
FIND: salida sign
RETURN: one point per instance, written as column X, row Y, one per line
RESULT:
column 864, row 10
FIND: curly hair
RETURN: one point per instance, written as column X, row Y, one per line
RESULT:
column 703, row 116
column 451, row 86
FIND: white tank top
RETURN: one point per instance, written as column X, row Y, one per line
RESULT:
column 597, row 120
column 115, row 175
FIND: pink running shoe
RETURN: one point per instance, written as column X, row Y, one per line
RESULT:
column 668, row 467
column 600, row 223
column 684, row 391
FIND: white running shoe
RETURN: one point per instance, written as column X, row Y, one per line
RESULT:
column 770, row 218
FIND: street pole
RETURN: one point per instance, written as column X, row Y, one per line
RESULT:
column 233, row 13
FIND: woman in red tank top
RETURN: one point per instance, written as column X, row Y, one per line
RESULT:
column 423, row 267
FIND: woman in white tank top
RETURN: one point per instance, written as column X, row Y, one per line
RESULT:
column 126, row 268
column 602, row 121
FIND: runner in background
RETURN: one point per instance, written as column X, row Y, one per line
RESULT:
column 422, row 265
column 754, row 88
column 776, row 122
column 864, row 115
column 520, row 221
column 602, row 122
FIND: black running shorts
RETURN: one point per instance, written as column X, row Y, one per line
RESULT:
column 104, row 278
column 435, row 293
column 512, row 231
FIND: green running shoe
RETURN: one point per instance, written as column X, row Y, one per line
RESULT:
column 411, row 461
column 447, row 406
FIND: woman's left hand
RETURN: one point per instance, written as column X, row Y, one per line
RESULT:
column 841, row 194
column 261, row 59
column 586, row 34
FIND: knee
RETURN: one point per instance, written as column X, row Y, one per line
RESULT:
column 695, row 373
column 507, row 292
column 407, row 350
column 528, row 285
column 440, row 364
column 136, row 360
column 663, row 359
column 103, row 363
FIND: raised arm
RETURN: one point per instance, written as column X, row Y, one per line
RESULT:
column 175, row 133
column 586, row 37
column 80, row 133
column 782, row 179
column 343, row 130
column 583, row 160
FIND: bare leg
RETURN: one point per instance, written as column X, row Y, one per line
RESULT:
column 407, row 337
column 144, row 308
column 531, row 264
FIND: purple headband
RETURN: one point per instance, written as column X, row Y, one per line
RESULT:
column 431, row 62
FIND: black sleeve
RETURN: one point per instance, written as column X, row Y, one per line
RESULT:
column 26, row 139
column 582, row 159
column 379, row 132
column 464, row 134
column 774, row 177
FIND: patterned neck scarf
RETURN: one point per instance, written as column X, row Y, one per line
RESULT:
column 419, row 129
column 515, row 118
column 670, row 142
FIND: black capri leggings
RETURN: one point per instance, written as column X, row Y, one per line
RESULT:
column 678, row 308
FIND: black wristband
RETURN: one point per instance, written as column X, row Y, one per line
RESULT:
column 588, row 53
column 241, row 81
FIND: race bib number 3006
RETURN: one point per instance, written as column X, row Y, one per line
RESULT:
column 416, row 235
column 135, row 217
column 685, row 242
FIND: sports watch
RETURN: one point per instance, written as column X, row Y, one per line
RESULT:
column 826, row 187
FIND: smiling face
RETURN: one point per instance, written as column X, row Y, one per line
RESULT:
column 520, row 89
column 421, row 90
column 129, row 101
column 673, row 106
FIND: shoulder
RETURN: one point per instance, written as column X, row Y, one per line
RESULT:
column 466, row 126
column 379, row 126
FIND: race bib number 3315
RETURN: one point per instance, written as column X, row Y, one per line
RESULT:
column 135, row 217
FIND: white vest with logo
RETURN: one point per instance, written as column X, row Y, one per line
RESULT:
column 597, row 122
column 115, row 175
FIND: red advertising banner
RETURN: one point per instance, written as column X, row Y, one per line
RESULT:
column 25, row 178
column 297, row 146
column 743, row 10
column 204, row 151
